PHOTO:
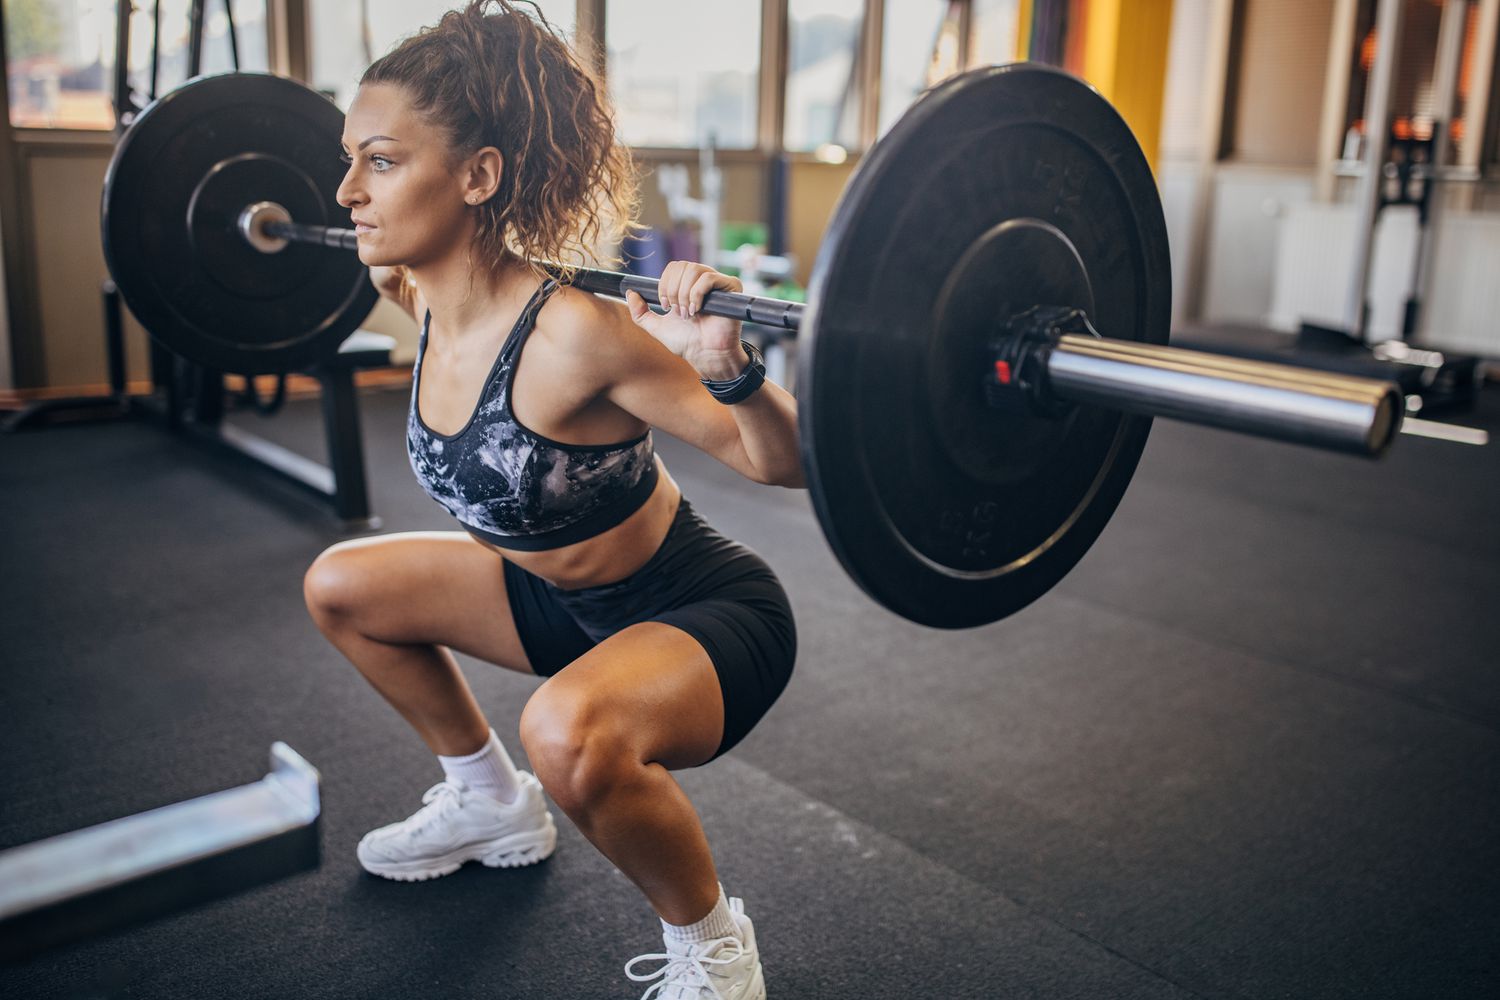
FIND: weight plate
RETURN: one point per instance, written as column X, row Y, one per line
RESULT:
column 172, row 197
column 1000, row 189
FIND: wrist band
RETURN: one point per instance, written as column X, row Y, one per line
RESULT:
column 734, row 390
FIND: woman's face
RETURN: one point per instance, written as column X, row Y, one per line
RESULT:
column 410, row 202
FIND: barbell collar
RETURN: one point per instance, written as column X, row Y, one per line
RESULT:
column 255, row 222
column 1343, row 413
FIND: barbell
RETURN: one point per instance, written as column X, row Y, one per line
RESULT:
column 982, row 351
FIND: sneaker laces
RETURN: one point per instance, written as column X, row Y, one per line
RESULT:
column 686, row 973
column 437, row 802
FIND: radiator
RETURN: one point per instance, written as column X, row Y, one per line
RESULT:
column 1462, row 313
column 1314, row 261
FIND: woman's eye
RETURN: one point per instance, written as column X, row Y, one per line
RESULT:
column 378, row 163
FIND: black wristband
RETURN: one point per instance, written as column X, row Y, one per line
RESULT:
column 735, row 390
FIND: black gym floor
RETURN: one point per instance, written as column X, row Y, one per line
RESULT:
column 1250, row 748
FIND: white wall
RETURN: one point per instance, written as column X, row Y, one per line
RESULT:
column 1463, row 299
column 1315, row 266
column 1247, row 206
column 1180, row 183
column 1184, row 169
column 1315, row 261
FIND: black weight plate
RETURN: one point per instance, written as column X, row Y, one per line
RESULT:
column 1000, row 189
column 172, row 198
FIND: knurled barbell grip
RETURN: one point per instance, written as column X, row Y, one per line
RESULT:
column 731, row 305
column 300, row 232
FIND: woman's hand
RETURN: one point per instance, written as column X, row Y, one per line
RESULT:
column 711, row 344
column 394, row 283
column 387, row 280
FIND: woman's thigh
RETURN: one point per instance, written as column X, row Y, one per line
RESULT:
column 437, row 587
column 650, row 687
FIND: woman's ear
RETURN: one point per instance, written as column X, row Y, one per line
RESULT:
column 485, row 168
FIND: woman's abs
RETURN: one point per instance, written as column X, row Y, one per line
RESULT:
column 611, row 555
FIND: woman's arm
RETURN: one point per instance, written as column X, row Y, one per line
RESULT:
column 766, row 421
column 766, row 424
column 639, row 366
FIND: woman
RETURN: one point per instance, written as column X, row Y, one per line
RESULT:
column 474, row 147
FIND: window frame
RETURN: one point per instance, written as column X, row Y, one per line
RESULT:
column 289, row 49
column 1487, row 48
column 771, row 94
column 282, row 52
column 1477, row 163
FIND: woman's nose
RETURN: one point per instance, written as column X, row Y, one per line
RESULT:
column 348, row 194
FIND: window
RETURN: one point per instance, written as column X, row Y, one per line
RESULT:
column 993, row 29
column 822, row 78
column 250, row 41
column 684, row 74
column 918, row 49
column 1413, row 106
column 347, row 36
column 61, row 55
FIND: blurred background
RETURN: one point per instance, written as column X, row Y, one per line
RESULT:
column 1249, row 747
column 1250, row 111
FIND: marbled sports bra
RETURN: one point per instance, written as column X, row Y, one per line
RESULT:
column 513, row 487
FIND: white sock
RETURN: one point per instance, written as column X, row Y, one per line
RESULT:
column 718, row 924
column 488, row 770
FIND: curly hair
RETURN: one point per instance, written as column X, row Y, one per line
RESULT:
column 507, row 79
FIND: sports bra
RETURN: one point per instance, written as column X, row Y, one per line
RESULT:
column 513, row 487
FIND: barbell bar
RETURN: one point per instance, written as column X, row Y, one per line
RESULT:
column 1330, row 411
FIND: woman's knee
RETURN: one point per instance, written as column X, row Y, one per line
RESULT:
column 332, row 585
column 579, row 749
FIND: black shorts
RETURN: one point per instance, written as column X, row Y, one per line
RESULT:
column 711, row 587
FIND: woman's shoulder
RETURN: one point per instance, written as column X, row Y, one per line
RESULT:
column 571, row 307
column 585, row 325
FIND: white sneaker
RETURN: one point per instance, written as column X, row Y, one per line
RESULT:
column 457, row 824
column 721, row 969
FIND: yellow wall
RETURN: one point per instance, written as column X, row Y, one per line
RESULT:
column 813, row 191
column 64, row 199
column 1126, row 58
